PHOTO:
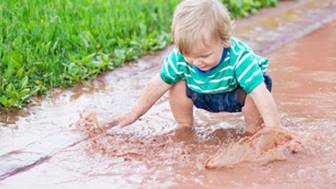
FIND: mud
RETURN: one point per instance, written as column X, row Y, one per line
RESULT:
column 266, row 146
column 163, row 149
column 40, row 149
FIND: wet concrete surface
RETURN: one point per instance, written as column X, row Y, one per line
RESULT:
column 47, row 151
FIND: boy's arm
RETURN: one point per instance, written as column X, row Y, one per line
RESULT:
column 268, row 110
column 154, row 89
column 266, row 106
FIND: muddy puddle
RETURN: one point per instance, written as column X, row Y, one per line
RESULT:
column 305, row 89
column 148, row 155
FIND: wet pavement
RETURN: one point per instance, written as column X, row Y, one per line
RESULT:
column 42, row 149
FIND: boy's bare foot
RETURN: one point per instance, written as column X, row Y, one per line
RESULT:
column 184, row 134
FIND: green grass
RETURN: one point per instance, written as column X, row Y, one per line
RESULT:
column 243, row 8
column 56, row 43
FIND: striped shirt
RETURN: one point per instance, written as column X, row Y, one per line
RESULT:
column 240, row 67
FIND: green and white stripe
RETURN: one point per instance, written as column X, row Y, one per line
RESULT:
column 241, row 67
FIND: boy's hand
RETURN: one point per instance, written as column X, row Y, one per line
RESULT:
column 267, row 145
column 122, row 120
column 154, row 89
column 271, row 137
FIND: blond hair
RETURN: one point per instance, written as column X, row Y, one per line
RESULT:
column 197, row 21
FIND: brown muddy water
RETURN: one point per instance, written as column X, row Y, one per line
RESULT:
column 146, row 155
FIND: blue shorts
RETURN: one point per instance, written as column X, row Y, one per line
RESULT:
column 232, row 101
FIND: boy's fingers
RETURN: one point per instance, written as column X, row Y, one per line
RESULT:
column 295, row 147
column 125, row 123
column 110, row 125
column 121, row 124
column 120, row 121
column 115, row 121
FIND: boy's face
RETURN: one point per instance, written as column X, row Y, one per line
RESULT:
column 205, row 57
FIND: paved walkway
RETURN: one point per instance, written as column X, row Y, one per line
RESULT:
column 31, row 149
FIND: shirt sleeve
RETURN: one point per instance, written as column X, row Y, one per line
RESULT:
column 171, row 71
column 248, row 72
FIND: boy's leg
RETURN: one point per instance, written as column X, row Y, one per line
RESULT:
column 253, row 119
column 180, row 105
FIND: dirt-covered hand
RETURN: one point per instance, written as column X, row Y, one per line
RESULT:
column 271, row 137
column 267, row 145
column 122, row 120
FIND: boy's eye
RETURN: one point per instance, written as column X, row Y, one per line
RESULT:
column 206, row 55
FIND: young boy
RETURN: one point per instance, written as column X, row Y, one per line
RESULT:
column 209, row 69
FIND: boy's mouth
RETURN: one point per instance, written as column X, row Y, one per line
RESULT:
column 203, row 68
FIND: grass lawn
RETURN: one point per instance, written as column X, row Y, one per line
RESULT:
column 56, row 43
